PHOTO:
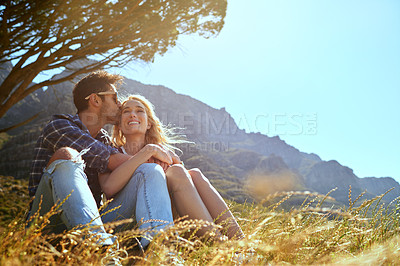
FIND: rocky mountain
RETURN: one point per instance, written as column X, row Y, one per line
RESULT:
column 378, row 186
column 229, row 156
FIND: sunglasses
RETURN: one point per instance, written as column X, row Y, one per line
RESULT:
column 105, row 93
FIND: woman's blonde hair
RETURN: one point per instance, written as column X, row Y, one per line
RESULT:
column 156, row 134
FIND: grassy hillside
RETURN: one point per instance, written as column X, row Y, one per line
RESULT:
column 4, row 137
column 14, row 199
column 307, row 234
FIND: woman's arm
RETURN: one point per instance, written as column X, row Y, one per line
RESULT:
column 112, row 183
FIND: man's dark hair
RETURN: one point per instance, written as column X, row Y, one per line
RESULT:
column 98, row 81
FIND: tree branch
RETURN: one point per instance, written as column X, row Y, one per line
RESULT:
column 20, row 123
column 48, row 35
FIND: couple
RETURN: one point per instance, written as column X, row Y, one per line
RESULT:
column 142, row 175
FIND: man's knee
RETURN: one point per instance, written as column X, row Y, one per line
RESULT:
column 64, row 153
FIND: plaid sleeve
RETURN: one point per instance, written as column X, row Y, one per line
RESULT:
column 63, row 133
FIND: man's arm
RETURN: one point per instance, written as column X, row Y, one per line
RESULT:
column 61, row 133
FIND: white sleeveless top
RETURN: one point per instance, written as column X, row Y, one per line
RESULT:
column 123, row 150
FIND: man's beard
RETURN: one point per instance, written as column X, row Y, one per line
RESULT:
column 109, row 118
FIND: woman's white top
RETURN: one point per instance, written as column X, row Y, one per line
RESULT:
column 123, row 150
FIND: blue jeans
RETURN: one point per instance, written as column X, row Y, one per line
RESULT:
column 145, row 197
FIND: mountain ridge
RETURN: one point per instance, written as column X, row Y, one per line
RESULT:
column 215, row 133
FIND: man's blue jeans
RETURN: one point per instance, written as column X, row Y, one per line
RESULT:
column 145, row 197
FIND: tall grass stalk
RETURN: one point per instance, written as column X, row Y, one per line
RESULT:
column 310, row 234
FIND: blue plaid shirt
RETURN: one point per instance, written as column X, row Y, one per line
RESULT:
column 69, row 131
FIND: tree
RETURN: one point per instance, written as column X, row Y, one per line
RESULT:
column 50, row 34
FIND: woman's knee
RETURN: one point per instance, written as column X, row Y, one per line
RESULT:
column 197, row 176
column 177, row 171
column 150, row 174
column 151, row 171
column 178, row 176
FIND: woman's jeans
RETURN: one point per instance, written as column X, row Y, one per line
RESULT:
column 144, row 197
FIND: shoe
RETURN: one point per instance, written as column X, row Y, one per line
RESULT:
column 173, row 258
column 113, row 256
column 243, row 258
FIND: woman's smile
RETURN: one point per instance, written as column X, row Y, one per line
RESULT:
column 134, row 118
column 133, row 123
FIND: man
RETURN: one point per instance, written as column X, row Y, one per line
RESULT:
column 73, row 150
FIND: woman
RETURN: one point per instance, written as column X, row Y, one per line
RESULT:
column 191, row 192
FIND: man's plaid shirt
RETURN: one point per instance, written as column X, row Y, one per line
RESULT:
column 69, row 131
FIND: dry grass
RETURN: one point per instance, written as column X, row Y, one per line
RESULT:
column 368, row 234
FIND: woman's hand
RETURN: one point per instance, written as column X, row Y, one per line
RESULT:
column 120, row 176
column 157, row 152
column 175, row 158
column 164, row 165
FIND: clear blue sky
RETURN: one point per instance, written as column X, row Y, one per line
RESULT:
column 323, row 75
